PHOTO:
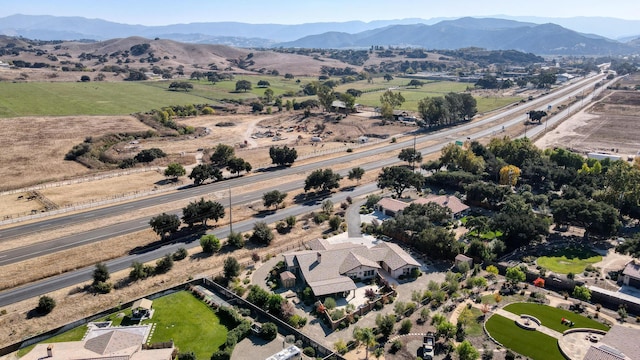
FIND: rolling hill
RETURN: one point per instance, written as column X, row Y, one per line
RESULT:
column 536, row 35
column 492, row 34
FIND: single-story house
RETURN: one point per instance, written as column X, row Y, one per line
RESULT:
column 616, row 344
column 340, row 107
column 457, row 207
column 399, row 114
column 631, row 274
column 332, row 268
column 122, row 343
column 391, row 207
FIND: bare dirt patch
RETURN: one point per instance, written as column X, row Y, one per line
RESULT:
column 107, row 188
column 35, row 147
column 610, row 126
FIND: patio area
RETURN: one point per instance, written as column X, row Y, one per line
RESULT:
column 357, row 298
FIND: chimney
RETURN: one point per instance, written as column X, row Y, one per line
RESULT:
column 319, row 259
column 50, row 351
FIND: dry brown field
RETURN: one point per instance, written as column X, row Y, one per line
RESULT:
column 21, row 166
column 33, row 148
column 610, row 125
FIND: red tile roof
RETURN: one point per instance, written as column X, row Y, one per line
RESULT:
column 449, row 201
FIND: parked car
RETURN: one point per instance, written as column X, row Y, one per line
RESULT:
column 428, row 345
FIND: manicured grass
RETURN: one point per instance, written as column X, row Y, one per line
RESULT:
column 573, row 260
column 75, row 334
column 550, row 316
column 533, row 344
column 92, row 98
column 191, row 324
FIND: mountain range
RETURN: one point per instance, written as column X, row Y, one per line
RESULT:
column 438, row 33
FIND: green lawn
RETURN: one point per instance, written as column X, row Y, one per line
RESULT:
column 573, row 260
column 75, row 334
column 92, row 98
column 124, row 97
column 191, row 324
column 473, row 323
column 533, row 344
column 550, row 316
column 430, row 89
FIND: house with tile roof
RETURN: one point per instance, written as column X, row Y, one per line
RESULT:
column 330, row 269
column 391, row 207
column 121, row 343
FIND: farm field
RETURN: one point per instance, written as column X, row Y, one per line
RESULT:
column 533, row 344
column 90, row 98
column 120, row 98
column 432, row 89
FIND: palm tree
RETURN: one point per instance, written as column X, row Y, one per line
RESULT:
column 366, row 337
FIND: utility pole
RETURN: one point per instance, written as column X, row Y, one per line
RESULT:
column 230, row 217
column 413, row 163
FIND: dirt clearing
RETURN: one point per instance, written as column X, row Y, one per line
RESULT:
column 33, row 148
column 611, row 125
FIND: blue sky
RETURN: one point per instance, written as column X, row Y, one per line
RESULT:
column 163, row 12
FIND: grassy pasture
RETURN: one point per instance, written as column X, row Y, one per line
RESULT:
column 533, row 344
column 550, row 316
column 119, row 98
column 94, row 98
column 567, row 260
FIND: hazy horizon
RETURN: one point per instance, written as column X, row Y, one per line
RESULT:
column 287, row 12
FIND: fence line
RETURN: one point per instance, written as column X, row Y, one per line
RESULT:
column 24, row 216
column 284, row 328
column 79, row 180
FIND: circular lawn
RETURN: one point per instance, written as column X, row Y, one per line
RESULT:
column 535, row 344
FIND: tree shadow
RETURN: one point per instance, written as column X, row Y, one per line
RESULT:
column 184, row 235
column 272, row 168
column 166, row 182
column 264, row 213
column 311, row 199
column 35, row 313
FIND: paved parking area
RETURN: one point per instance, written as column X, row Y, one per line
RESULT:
column 254, row 347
